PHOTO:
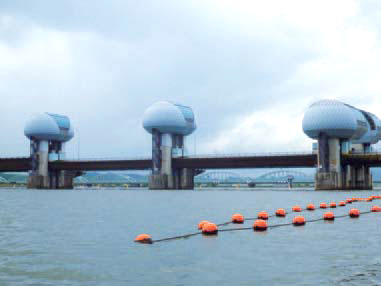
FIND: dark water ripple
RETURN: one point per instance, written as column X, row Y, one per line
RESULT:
column 86, row 238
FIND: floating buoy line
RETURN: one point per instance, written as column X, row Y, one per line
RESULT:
column 260, row 221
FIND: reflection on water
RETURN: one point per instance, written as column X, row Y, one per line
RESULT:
column 85, row 237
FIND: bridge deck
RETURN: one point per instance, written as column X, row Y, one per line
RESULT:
column 371, row 159
column 101, row 165
column 15, row 164
column 263, row 161
column 216, row 162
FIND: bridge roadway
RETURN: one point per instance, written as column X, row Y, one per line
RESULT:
column 212, row 162
column 371, row 159
column 15, row 164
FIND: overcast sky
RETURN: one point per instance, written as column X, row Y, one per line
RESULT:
column 249, row 69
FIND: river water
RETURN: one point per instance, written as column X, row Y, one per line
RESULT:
column 85, row 237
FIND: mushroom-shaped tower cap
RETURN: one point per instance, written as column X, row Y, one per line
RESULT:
column 48, row 126
column 168, row 117
column 334, row 118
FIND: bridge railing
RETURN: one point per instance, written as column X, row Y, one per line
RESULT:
column 257, row 154
column 262, row 154
column 108, row 159
column 14, row 158
column 363, row 153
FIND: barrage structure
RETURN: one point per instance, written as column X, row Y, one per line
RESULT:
column 343, row 155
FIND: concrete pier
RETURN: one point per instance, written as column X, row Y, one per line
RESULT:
column 328, row 175
column 333, row 175
column 182, row 179
column 165, row 147
column 40, row 177
column 54, row 180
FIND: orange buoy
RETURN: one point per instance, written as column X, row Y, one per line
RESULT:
column 201, row 223
column 323, row 206
column 329, row 216
column 280, row 212
column 354, row 213
column 209, row 228
column 349, row 201
column 332, row 205
column 299, row 220
column 238, row 218
column 376, row 209
column 296, row 209
column 263, row 215
column 144, row 238
column 260, row 225
column 310, row 207
column 342, row 204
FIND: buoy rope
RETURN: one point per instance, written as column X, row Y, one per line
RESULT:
column 270, row 216
column 248, row 218
column 286, row 224
column 287, row 212
column 250, row 228
column 177, row 237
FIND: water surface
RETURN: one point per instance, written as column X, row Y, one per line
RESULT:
column 85, row 237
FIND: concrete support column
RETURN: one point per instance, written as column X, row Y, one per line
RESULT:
column 43, row 156
column 347, row 177
column 335, row 161
column 156, row 152
column 39, row 176
column 360, row 176
column 323, row 153
column 187, row 179
column 363, row 178
column 162, row 177
column 329, row 175
column 166, row 159
column 165, row 176
column 368, row 178
column 166, row 154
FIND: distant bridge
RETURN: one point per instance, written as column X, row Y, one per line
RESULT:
column 218, row 177
column 106, row 178
column 281, row 176
column 13, row 178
